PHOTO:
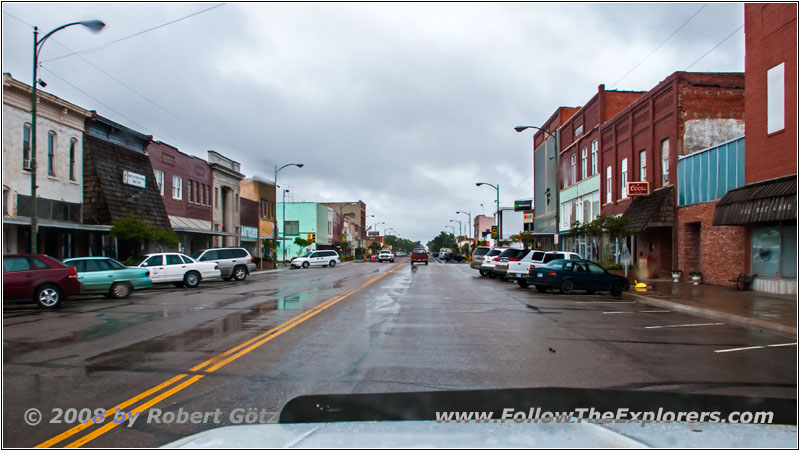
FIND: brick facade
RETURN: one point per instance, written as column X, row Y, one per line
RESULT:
column 190, row 169
column 770, row 39
column 716, row 251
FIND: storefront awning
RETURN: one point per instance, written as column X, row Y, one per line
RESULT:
column 770, row 200
column 654, row 210
column 21, row 220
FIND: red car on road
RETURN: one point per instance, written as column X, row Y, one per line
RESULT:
column 40, row 278
column 419, row 255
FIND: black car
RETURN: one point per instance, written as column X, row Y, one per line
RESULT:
column 454, row 257
column 569, row 275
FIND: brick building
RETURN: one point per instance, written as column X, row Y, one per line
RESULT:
column 545, row 180
column 579, row 173
column 118, row 181
column 685, row 113
column 263, row 192
column 765, row 209
column 184, row 182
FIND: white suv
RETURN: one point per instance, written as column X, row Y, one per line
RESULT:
column 179, row 269
column 316, row 258
column 386, row 255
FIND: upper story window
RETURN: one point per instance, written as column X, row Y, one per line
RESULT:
column 624, row 178
column 51, row 153
column 190, row 190
column 665, row 162
column 216, row 197
column 609, row 186
column 573, row 169
column 26, row 146
column 177, row 187
column 643, row 165
column 775, row 98
column 159, row 180
column 72, row 143
column 595, row 161
column 584, row 162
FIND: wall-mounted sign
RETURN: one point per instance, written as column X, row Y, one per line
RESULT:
column 527, row 217
column 494, row 232
column 374, row 233
column 249, row 233
column 522, row 205
column 638, row 188
column 132, row 178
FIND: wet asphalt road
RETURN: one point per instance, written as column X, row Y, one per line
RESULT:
column 356, row 328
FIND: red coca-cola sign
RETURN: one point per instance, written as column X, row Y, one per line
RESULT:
column 638, row 188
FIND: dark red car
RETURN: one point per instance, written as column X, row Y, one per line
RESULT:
column 40, row 278
column 419, row 255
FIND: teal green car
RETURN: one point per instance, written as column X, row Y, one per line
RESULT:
column 107, row 276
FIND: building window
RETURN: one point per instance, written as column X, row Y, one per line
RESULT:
column 177, row 187
column 51, row 153
column 624, row 178
column 189, row 190
column 236, row 204
column 208, row 190
column 642, row 166
column 775, row 99
column 216, row 197
column 609, row 186
column 159, row 180
column 573, row 169
column 26, row 146
column 72, row 143
column 197, row 193
column 292, row 228
column 584, row 162
column 594, row 157
column 665, row 162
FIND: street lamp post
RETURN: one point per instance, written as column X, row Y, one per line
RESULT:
column 497, row 220
column 93, row 25
column 460, row 228
column 469, row 224
column 283, row 226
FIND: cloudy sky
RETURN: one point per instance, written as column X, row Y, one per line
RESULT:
column 403, row 106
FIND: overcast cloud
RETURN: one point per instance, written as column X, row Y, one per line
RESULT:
column 403, row 106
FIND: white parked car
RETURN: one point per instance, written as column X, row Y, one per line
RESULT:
column 386, row 256
column 489, row 260
column 316, row 258
column 179, row 269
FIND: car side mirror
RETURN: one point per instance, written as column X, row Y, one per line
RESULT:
column 145, row 264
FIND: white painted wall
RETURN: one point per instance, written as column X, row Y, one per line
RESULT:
column 58, row 187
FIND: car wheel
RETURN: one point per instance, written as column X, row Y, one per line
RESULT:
column 522, row 283
column 239, row 273
column 491, row 275
column 426, row 263
column 482, row 273
column 541, row 289
column 392, row 260
column 566, row 286
column 305, row 265
column 191, row 279
column 616, row 288
column 503, row 278
column 48, row 296
column 120, row 290
column 332, row 263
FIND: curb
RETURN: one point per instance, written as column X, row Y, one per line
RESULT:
column 752, row 323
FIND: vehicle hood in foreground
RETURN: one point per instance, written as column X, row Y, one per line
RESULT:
column 430, row 434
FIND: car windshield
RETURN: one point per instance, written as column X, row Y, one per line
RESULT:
column 385, row 211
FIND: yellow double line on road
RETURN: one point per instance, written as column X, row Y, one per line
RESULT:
column 210, row 366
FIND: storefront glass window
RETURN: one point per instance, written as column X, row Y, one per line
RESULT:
column 789, row 251
column 765, row 251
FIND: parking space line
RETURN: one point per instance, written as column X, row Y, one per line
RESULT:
column 639, row 311
column 780, row 345
column 683, row 325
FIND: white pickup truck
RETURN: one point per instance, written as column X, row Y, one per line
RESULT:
column 386, row 256
column 517, row 271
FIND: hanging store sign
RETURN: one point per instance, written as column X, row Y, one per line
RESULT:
column 638, row 188
column 522, row 205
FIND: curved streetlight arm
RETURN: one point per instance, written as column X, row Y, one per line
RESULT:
column 93, row 25
column 520, row 128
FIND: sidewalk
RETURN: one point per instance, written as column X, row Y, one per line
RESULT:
column 773, row 312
